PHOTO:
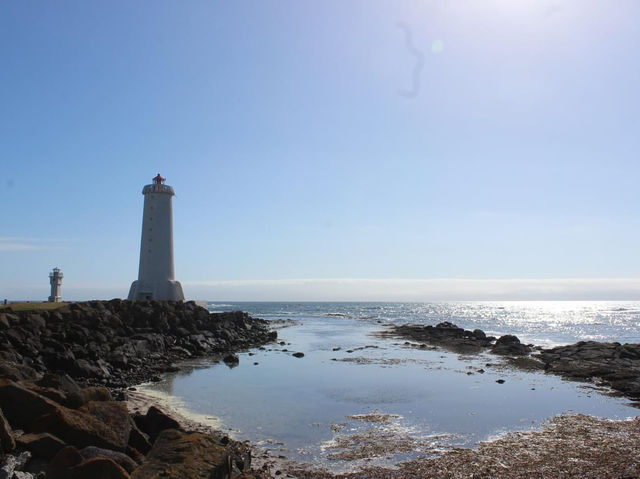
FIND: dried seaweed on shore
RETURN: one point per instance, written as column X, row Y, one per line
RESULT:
column 572, row 446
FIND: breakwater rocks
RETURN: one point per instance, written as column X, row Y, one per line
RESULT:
column 52, row 428
column 612, row 364
column 119, row 343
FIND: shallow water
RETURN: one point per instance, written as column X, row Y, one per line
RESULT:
column 301, row 407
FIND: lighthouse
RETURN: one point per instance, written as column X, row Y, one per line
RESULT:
column 156, row 275
column 55, row 278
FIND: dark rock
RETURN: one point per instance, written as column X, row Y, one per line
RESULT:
column 16, row 372
column 43, row 444
column 511, row 346
column 98, row 468
column 178, row 455
column 7, row 442
column 231, row 359
column 500, row 381
column 74, row 397
column 119, row 458
column 114, row 415
column 479, row 334
column 80, row 429
column 21, row 405
column 156, row 421
column 138, row 439
column 96, row 393
column 66, row 458
column 298, row 355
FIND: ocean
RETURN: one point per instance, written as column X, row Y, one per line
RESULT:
column 357, row 399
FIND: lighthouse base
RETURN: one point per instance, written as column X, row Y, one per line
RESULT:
column 161, row 290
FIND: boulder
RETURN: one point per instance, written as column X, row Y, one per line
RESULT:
column 21, row 405
column 139, row 440
column 7, row 442
column 510, row 345
column 74, row 396
column 98, row 468
column 16, row 372
column 66, row 458
column 119, row 458
column 231, row 359
column 85, row 369
column 178, row 455
column 114, row 415
column 42, row 444
column 96, row 393
column 81, row 429
column 156, row 421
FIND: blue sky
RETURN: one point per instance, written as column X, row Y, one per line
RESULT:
column 295, row 156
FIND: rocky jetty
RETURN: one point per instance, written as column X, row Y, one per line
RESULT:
column 59, row 421
column 118, row 343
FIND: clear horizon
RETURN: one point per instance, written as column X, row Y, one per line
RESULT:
column 495, row 142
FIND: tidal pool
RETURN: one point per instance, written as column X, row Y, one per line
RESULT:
column 415, row 401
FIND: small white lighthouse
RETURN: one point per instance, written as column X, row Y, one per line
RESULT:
column 156, row 275
column 55, row 278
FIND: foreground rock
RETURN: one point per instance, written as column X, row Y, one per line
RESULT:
column 177, row 455
column 102, row 440
column 119, row 343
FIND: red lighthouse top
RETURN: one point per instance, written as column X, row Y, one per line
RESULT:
column 158, row 180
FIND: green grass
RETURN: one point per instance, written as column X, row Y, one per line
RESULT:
column 33, row 306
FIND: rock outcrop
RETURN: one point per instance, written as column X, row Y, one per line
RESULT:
column 616, row 365
column 446, row 335
column 613, row 364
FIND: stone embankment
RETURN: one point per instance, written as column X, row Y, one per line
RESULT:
column 118, row 343
column 611, row 364
column 57, row 420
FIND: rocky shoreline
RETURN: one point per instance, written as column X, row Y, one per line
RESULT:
column 614, row 365
column 66, row 411
column 63, row 376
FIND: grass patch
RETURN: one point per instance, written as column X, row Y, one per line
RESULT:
column 32, row 306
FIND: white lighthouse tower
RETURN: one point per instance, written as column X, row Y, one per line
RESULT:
column 55, row 278
column 156, row 276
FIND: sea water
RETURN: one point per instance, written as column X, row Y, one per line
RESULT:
column 356, row 398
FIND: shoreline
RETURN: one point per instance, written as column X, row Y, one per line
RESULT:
column 148, row 326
